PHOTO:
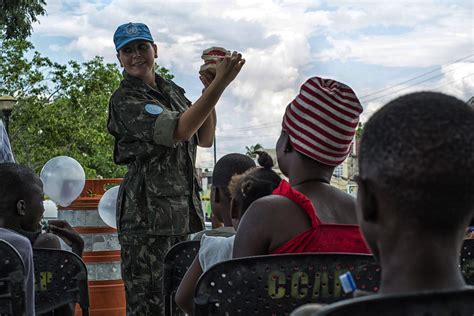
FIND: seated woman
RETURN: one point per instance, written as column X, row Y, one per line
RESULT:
column 244, row 189
column 308, row 214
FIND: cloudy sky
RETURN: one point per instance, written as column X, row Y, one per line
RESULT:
column 381, row 49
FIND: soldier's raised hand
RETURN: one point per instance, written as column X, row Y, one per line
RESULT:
column 228, row 68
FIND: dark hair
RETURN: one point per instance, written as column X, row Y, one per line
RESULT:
column 15, row 184
column 229, row 165
column 255, row 183
column 419, row 150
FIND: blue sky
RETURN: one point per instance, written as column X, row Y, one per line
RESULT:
column 369, row 45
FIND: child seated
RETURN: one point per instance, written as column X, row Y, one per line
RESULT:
column 416, row 190
column 226, row 167
column 21, row 210
column 308, row 214
column 244, row 190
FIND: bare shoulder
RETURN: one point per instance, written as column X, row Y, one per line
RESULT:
column 47, row 240
column 348, row 202
column 257, row 226
column 342, row 207
column 270, row 205
column 271, row 212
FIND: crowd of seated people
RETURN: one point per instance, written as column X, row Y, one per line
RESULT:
column 415, row 193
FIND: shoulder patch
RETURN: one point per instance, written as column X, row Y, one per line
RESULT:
column 153, row 109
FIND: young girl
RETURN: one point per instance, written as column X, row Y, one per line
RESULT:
column 244, row 189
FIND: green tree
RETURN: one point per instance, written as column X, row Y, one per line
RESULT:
column 61, row 109
column 360, row 128
column 162, row 71
column 251, row 151
column 17, row 16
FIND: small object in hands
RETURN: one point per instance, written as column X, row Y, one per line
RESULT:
column 347, row 283
column 210, row 57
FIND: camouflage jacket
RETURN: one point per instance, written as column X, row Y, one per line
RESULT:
column 160, row 192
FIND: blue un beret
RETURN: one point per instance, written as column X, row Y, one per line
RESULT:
column 129, row 32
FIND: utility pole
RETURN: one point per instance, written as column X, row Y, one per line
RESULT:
column 215, row 149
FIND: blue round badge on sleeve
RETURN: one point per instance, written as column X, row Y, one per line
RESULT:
column 153, row 109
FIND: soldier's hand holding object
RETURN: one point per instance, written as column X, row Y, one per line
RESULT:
column 220, row 65
column 228, row 68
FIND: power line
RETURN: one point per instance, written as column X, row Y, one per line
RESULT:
column 414, row 78
column 409, row 86
column 454, row 81
column 255, row 136
column 244, row 128
column 401, row 89
column 272, row 124
column 439, row 87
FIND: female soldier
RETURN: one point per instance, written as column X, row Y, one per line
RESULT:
column 156, row 130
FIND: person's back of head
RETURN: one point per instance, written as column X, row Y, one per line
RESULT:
column 321, row 121
column 226, row 167
column 416, row 185
column 21, row 197
column 253, row 184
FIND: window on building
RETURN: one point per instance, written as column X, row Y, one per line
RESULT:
column 338, row 171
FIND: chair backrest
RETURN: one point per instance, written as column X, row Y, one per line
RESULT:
column 60, row 278
column 449, row 303
column 12, row 281
column 177, row 261
column 467, row 261
column 277, row 284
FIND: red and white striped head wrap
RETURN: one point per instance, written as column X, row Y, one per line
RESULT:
column 321, row 121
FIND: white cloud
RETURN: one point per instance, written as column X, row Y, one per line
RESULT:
column 278, row 40
column 414, row 33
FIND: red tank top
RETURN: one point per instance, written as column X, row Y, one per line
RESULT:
column 320, row 237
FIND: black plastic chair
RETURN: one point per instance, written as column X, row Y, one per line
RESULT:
column 61, row 278
column 12, row 281
column 467, row 261
column 277, row 284
column 449, row 303
column 177, row 261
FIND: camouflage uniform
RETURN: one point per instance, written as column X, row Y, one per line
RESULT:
column 158, row 203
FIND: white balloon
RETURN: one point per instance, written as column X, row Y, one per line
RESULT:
column 108, row 206
column 50, row 209
column 63, row 179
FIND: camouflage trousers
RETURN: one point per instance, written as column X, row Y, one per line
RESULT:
column 142, row 273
